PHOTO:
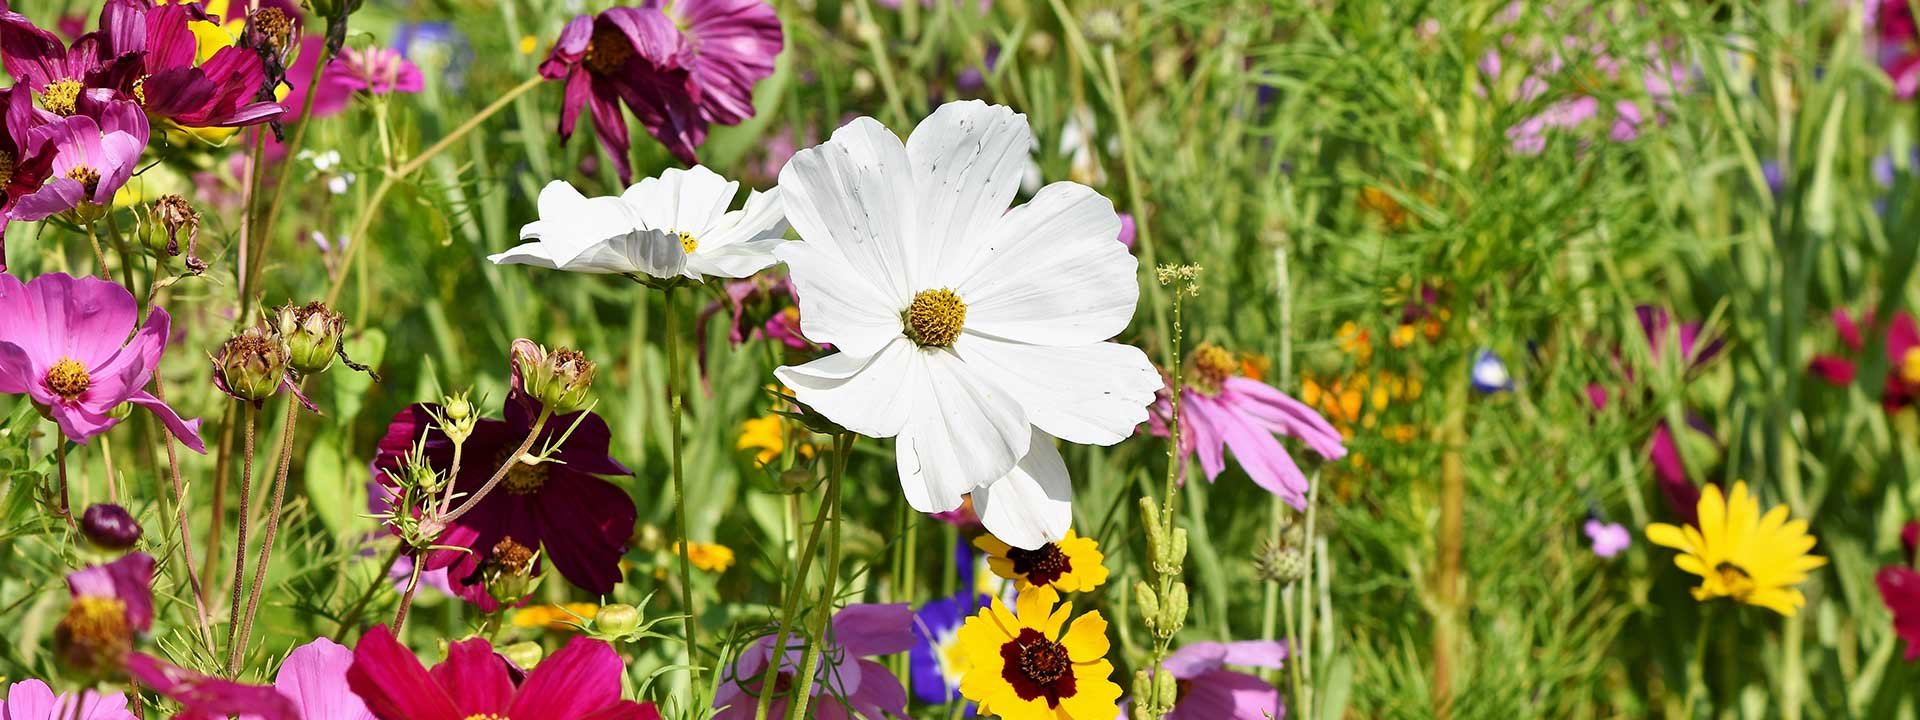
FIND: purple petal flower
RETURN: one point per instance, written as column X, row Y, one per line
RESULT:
column 375, row 71
column 631, row 55
column 733, row 44
column 846, row 684
column 1244, row 415
column 1212, row 692
column 91, row 160
column 1608, row 538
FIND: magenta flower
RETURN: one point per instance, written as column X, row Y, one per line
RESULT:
column 635, row 56
column 1899, row 44
column 91, row 160
column 582, row 520
column 329, row 97
column 1664, row 339
column 1209, row 691
column 847, row 684
column 67, row 80
column 1901, row 386
column 732, row 44
column 27, row 164
column 1608, row 538
column 1900, row 589
column 311, row 685
column 375, row 71
column 581, row 681
column 1220, row 410
column 33, row 700
column 219, row 92
column 66, row 348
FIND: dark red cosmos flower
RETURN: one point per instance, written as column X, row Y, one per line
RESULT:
column 1900, row 589
column 67, row 79
column 580, row 682
column 582, row 520
column 24, row 167
column 169, row 84
column 630, row 55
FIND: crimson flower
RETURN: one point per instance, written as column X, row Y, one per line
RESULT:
column 580, row 682
column 24, row 166
column 219, row 92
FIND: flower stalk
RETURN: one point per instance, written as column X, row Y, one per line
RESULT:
column 240, row 544
column 810, row 663
column 674, row 389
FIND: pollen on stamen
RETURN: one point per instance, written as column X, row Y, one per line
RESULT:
column 688, row 243
column 68, row 378
column 934, row 318
column 88, row 178
column 1212, row 365
column 61, row 97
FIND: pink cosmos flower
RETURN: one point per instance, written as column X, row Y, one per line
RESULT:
column 732, row 44
column 66, row 348
column 91, row 160
column 847, row 685
column 1901, row 386
column 33, row 700
column 1212, row 692
column 375, row 71
column 311, row 685
column 1900, row 589
column 1899, row 44
column 580, row 682
column 582, row 520
column 631, row 55
column 1221, row 410
column 169, row 84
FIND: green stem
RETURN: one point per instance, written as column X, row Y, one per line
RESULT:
column 810, row 665
column 259, row 260
column 546, row 413
column 692, row 620
column 240, row 549
column 796, row 587
column 273, row 517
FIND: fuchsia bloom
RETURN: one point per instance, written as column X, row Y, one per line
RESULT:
column 1608, row 538
column 375, row 71
column 580, row 682
column 1663, row 447
column 1900, row 589
column 311, row 685
column 678, row 68
column 582, row 521
column 66, row 348
column 33, row 700
column 67, row 80
column 1212, row 692
column 219, row 92
column 91, row 160
column 28, row 163
column 1899, row 44
column 1221, row 410
column 847, row 685
column 1901, row 387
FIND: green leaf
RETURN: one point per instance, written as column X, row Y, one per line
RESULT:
column 338, row 495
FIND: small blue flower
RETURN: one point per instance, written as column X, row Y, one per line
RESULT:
column 1490, row 373
column 436, row 46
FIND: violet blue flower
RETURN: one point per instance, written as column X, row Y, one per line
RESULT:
column 1490, row 373
column 66, row 349
column 847, row 684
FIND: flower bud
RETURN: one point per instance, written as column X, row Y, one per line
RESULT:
column 121, row 412
column 1149, row 602
column 559, row 379
column 524, row 655
column 1166, row 691
column 616, row 620
column 251, row 366
column 109, row 527
column 312, row 333
column 1143, row 695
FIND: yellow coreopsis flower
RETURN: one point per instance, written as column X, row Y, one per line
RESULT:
column 1741, row 554
column 1074, row 564
column 709, row 557
column 1021, row 667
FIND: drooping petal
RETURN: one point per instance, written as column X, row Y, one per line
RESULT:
column 1284, row 415
column 1264, row 459
column 187, row 431
column 1053, row 272
column 209, row 697
column 1033, row 504
column 734, row 43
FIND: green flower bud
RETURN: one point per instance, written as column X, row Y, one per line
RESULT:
column 616, row 620
column 312, row 333
column 251, row 366
column 524, row 655
column 1166, row 691
column 457, row 417
column 121, row 412
column 1149, row 602
column 559, row 379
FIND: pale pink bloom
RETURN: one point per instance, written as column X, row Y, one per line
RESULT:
column 33, row 700
column 375, row 71
column 1244, row 415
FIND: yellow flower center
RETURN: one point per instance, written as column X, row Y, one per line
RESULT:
column 88, row 178
column 486, row 716
column 61, row 97
column 934, row 318
column 607, row 51
column 1910, row 367
column 140, row 90
column 1212, row 365
column 688, row 243
column 7, row 164
column 1739, row 585
column 68, row 378
column 522, row 478
column 94, row 635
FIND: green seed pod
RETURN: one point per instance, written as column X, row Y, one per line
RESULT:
column 1165, row 692
column 616, row 620
column 524, row 655
column 312, row 332
column 1149, row 603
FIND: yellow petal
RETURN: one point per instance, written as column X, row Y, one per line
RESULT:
column 1086, row 638
column 1668, row 536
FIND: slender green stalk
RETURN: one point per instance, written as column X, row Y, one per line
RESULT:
column 240, row 548
column 285, row 175
column 352, row 614
column 810, row 664
column 273, row 517
column 675, row 440
column 796, row 586
column 539, row 423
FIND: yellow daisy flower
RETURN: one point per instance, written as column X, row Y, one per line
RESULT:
column 555, row 617
column 1739, row 553
column 1074, row 564
column 709, row 557
column 1021, row 667
column 767, row 437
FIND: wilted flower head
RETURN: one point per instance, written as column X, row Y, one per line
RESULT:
column 109, row 527
column 251, row 366
column 312, row 333
column 174, row 215
column 559, row 379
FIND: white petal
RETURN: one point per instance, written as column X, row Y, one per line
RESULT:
column 734, row 261
column 533, row 253
column 763, row 218
column 571, row 224
column 968, row 158
column 871, row 396
column 853, row 198
column 838, row 307
column 684, row 200
column 964, row 432
column 1092, row 394
column 1033, row 505
column 1054, row 272
column 651, row 252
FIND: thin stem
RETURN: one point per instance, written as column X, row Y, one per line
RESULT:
column 273, row 516
column 525, row 445
column 200, row 615
column 99, row 255
column 360, row 604
column 810, row 666
column 106, row 464
column 221, row 472
column 240, row 548
column 797, row 586
column 286, row 166
column 692, row 620
column 60, row 462
column 406, row 599
column 248, row 283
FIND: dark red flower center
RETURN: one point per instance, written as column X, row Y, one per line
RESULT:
column 608, row 50
column 68, row 379
column 1042, row 566
column 1037, row 667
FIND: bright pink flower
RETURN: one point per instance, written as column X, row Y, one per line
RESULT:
column 1901, row 386
column 1899, row 44
column 209, row 698
column 732, row 44
column 31, row 164
column 1209, row 691
column 81, row 75
column 66, row 348
column 1220, row 411
column 581, row 681
column 92, row 158
column 375, row 71
column 1608, row 538
column 631, row 55
column 1900, row 589
column 847, row 683
column 33, row 700
column 311, row 685
column 169, row 84
column 582, row 520
column 329, row 98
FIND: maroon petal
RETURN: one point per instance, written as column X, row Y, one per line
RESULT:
column 578, row 92
column 585, row 522
column 610, row 126
column 1900, row 589
column 31, row 54
column 653, row 35
column 123, row 23
column 1683, row 496
column 582, row 679
column 1837, row 371
column 170, row 41
column 209, row 697
column 476, row 677
column 667, row 106
column 394, row 685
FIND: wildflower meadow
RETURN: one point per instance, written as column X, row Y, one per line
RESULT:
column 1032, row 359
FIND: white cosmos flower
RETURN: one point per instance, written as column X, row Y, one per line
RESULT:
column 973, row 334
column 673, row 225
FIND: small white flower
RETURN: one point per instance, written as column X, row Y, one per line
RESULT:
column 339, row 184
column 673, row 225
column 973, row 334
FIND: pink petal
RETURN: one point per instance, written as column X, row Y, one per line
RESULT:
column 584, row 677
column 209, row 697
column 314, row 679
column 391, row 680
column 475, row 677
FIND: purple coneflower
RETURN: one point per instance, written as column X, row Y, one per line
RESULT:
column 1221, row 410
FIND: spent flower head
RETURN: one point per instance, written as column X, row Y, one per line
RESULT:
column 251, row 366
column 313, row 333
column 559, row 378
